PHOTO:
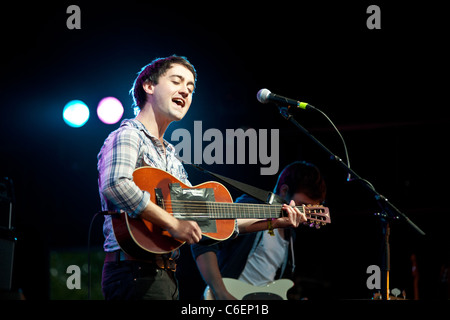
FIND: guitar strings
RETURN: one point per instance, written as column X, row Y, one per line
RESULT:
column 207, row 209
column 222, row 205
column 223, row 209
column 229, row 204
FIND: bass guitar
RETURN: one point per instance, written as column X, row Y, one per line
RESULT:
column 209, row 203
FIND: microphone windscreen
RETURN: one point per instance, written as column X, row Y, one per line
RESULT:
column 263, row 95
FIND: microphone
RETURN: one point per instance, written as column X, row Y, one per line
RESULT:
column 265, row 96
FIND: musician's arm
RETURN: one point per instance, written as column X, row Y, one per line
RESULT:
column 117, row 161
column 119, row 190
column 251, row 225
column 184, row 230
column 255, row 225
column 292, row 219
column 209, row 269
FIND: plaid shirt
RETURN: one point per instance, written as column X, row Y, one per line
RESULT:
column 129, row 147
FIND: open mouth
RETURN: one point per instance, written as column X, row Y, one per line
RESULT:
column 179, row 101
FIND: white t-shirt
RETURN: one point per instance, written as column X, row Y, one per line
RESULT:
column 263, row 263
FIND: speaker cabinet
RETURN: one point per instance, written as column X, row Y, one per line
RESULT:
column 7, row 245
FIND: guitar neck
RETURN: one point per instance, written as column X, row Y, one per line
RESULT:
column 223, row 210
column 245, row 210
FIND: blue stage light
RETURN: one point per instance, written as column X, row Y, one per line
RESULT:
column 76, row 113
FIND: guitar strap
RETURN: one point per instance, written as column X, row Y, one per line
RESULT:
column 257, row 193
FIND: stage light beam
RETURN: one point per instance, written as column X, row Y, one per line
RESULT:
column 75, row 113
column 109, row 110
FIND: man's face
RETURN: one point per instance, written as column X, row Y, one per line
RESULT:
column 172, row 96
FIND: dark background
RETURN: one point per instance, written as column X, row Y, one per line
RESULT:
column 382, row 88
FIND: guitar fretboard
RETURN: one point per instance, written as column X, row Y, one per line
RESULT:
column 221, row 210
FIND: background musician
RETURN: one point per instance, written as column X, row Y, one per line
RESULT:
column 259, row 258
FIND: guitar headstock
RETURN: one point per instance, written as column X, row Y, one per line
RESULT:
column 317, row 215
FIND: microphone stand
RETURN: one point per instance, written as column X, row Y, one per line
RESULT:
column 389, row 211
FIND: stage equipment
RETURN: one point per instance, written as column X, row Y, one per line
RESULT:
column 7, row 235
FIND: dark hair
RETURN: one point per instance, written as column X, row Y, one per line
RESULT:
column 303, row 177
column 152, row 72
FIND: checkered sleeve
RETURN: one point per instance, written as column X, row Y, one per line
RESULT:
column 117, row 161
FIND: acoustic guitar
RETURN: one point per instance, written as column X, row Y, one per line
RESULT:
column 209, row 203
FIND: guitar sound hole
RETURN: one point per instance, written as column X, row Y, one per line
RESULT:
column 262, row 296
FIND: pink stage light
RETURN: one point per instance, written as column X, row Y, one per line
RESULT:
column 109, row 110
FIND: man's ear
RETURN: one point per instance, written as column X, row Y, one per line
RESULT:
column 284, row 191
column 148, row 87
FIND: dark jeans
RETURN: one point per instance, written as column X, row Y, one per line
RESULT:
column 133, row 280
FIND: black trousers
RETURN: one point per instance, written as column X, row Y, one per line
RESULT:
column 135, row 280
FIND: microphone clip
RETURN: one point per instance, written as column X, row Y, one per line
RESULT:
column 284, row 111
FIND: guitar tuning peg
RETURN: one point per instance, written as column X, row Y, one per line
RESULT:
column 317, row 226
column 311, row 224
